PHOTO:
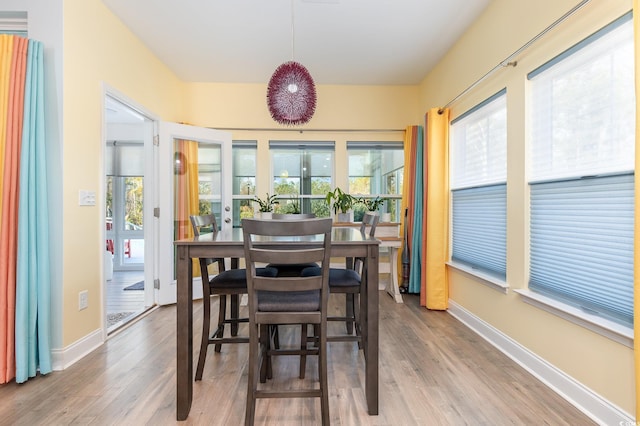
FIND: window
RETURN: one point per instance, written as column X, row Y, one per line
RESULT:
column 302, row 176
column 376, row 169
column 478, row 186
column 581, row 175
column 244, row 179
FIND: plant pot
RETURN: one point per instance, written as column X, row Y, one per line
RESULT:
column 266, row 215
column 344, row 217
column 386, row 217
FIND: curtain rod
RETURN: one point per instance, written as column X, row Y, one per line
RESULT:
column 265, row 129
column 509, row 59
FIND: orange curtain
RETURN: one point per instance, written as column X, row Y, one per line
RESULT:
column 187, row 193
column 187, row 197
column 410, row 139
column 12, row 82
column 434, row 291
column 636, row 271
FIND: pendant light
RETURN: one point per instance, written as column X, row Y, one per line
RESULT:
column 291, row 93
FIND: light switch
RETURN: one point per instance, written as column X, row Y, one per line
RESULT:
column 87, row 198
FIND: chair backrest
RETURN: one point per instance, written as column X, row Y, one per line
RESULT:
column 371, row 220
column 204, row 221
column 293, row 216
column 368, row 220
column 207, row 221
column 257, row 233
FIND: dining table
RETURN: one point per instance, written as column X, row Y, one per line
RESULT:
column 228, row 243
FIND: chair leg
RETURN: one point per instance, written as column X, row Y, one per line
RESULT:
column 349, row 312
column 276, row 336
column 265, row 345
column 235, row 313
column 356, row 314
column 303, row 348
column 322, row 374
column 222, row 313
column 252, row 382
column 204, row 341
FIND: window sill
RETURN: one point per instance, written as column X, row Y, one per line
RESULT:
column 599, row 325
column 486, row 279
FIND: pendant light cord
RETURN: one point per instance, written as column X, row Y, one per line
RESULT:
column 293, row 33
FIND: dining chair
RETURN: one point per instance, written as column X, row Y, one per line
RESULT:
column 348, row 280
column 286, row 300
column 233, row 283
column 292, row 270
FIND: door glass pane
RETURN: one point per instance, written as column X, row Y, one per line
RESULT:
column 197, row 183
column 124, row 220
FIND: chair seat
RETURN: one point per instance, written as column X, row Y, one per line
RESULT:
column 292, row 270
column 338, row 277
column 293, row 301
column 237, row 278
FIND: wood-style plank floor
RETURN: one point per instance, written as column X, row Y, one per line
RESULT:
column 433, row 371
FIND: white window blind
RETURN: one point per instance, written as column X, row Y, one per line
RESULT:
column 581, row 175
column 479, row 144
column 583, row 108
column 124, row 159
column 478, row 176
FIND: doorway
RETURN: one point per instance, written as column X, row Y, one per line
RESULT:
column 129, row 260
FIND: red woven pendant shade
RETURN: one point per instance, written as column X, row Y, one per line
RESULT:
column 291, row 94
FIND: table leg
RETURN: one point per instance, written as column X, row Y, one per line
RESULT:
column 371, row 342
column 392, row 286
column 184, row 334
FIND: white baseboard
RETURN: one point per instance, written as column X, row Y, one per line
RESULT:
column 65, row 357
column 593, row 405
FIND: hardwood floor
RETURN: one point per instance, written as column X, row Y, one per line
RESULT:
column 123, row 305
column 433, row 371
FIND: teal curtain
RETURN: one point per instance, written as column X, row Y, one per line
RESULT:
column 33, row 285
column 416, row 212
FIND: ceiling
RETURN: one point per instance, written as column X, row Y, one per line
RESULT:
column 352, row 42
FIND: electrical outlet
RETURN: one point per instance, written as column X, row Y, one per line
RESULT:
column 83, row 300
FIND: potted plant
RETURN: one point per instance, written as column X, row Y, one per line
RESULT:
column 342, row 204
column 374, row 204
column 266, row 205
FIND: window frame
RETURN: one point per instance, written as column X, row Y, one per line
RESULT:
column 307, row 202
column 394, row 177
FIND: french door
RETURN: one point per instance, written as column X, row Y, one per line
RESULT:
column 194, row 178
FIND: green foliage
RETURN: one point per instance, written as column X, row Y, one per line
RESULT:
column 320, row 208
column 286, row 187
column 267, row 204
column 358, row 212
column 290, row 206
column 372, row 204
column 246, row 212
column 342, row 201
column 134, row 200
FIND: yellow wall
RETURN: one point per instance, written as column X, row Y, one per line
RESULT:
column 338, row 107
column 599, row 363
column 97, row 49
